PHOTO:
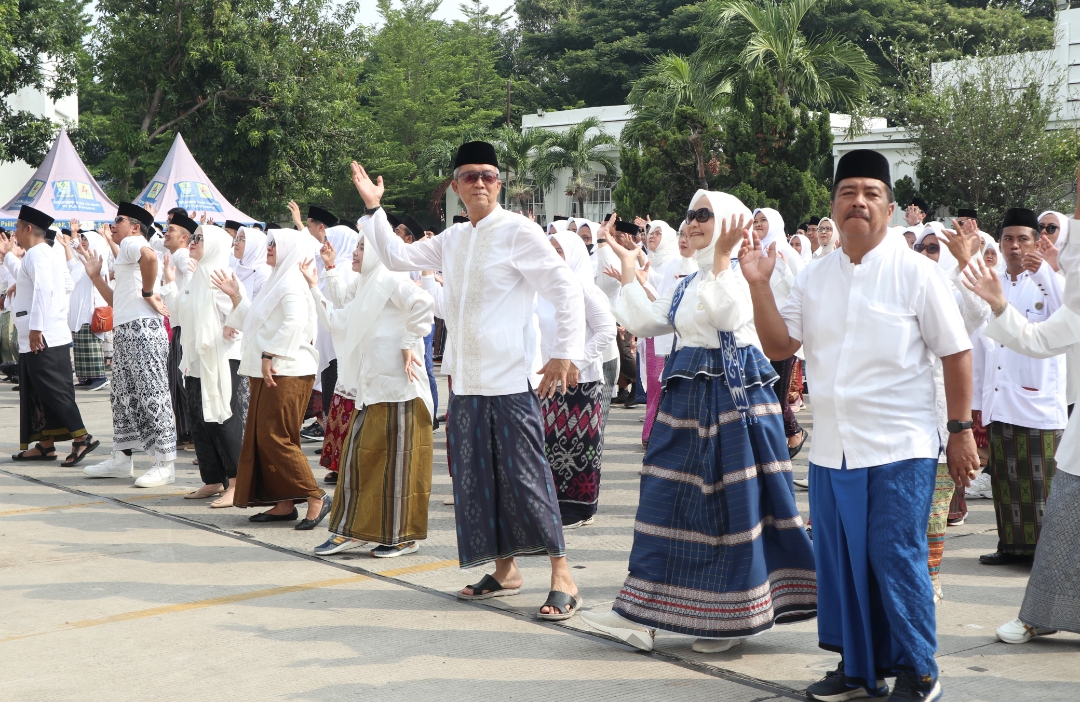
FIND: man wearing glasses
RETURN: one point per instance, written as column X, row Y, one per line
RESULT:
column 142, row 409
column 493, row 266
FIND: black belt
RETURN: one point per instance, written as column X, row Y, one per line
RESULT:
column 22, row 314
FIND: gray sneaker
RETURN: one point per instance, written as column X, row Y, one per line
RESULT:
column 337, row 544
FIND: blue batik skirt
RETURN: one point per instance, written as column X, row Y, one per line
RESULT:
column 719, row 549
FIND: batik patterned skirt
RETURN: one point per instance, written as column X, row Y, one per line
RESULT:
column 382, row 494
column 142, row 407
column 1021, row 469
column 89, row 357
column 336, row 431
column 574, row 446
column 719, row 546
column 1052, row 598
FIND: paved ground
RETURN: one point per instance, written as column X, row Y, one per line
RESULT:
column 116, row 593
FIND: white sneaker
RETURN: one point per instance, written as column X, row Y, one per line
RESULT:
column 158, row 475
column 980, row 488
column 1017, row 632
column 715, row 645
column 611, row 623
column 118, row 466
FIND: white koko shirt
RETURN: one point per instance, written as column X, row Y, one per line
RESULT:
column 41, row 298
column 491, row 274
column 128, row 302
column 871, row 333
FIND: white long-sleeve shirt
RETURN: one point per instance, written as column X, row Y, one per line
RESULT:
column 41, row 298
column 599, row 335
column 286, row 335
column 170, row 295
column 491, row 273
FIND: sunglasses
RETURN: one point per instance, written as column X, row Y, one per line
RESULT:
column 928, row 248
column 196, row 239
column 470, row 177
column 1048, row 228
column 119, row 220
column 703, row 215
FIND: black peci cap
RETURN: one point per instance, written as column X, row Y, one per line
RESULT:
column 36, row 217
column 968, row 212
column 478, row 152
column 140, row 214
column 186, row 222
column 320, row 215
column 1020, row 217
column 863, row 163
column 231, row 224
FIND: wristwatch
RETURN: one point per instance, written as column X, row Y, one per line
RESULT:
column 955, row 427
column 267, row 357
column 371, row 210
column 147, row 294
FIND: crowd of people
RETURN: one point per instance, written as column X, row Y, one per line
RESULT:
column 941, row 362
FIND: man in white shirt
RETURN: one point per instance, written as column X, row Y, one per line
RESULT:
column 871, row 318
column 493, row 268
column 178, row 235
column 915, row 213
column 142, row 412
column 47, row 409
column 1022, row 399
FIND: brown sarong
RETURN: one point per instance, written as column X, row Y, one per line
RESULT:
column 272, row 467
column 382, row 494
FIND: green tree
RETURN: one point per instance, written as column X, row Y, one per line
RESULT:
column 578, row 152
column 746, row 38
column 641, row 188
column 772, row 152
column 40, row 46
column 519, row 153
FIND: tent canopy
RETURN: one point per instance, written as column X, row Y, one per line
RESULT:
column 180, row 182
column 62, row 188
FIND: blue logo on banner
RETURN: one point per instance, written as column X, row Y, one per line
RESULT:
column 73, row 196
column 192, row 195
column 28, row 195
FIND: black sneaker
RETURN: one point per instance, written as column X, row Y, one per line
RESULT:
column 435, row 425
column 331, row 478
column 311, row 433
column 836, row 687
column 911, row 688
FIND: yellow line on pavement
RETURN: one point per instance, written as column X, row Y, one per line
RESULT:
column 187, row 606
column 421, row 568
column 49, row 509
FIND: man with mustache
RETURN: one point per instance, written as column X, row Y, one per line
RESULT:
column 871, row 321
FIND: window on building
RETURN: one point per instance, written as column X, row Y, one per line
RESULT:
column 599, row 201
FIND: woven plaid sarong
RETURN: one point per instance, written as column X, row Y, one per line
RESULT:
column 89, row 357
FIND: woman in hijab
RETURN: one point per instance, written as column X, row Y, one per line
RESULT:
column 574, row 443
column 801, row 244
column 1054, row 232
column 720, row 552
column 662, row 249
column 86, row 345
column 211, row 363
column 279, row 359
column 769, row 226
column 248, row 259
column 828, row 236
column 385, row 481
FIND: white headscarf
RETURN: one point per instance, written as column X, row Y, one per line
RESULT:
column 989, row 243
column 559, row 225
column 668, row 248
column 1063, row 227
column 198, row 317
column 807, row 253
column 723, row 206
column 776, row 235
column 343, row 239
column 292, row 248
column 946, row 259
column 84, row 296
column 252, row 270
column 832, row 244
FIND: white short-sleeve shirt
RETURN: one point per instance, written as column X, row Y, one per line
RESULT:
column 871, row 333
column 128, row 302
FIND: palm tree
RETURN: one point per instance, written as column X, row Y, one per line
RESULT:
column 519, row 153
column 747, row 36
column 576, row 151
column 672, row 82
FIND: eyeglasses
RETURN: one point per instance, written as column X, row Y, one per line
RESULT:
column 470, row 177
column 928, row 248
column 239, row 240
column 271, row 244
column 703, row 215
column 1048, row 228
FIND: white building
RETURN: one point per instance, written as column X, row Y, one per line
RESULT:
column 65, row 111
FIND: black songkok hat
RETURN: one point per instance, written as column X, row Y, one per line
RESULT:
column 802, row 226
column 814, row 221
column 394, row 221
column 139, row 214
column 458, row 219
column 478, row 152
column 559, row 218
column 50, row 235
column 36, row 217
column 261, row 226
column 414, row 228
column 968, row 212
column 863, row 163
column 229, row 224
column 320, row 215
column 626, row 227
column 348, row 224
column 921, row 204
column 1020, row 217
column 272, row 225
column 185, row 222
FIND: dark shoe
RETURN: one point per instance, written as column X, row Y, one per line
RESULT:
column 631, row 398
column 267, row 517
column 794, row 450
column 331, row 478
column 620, row 398
column 42, row 455
column 435, row 425
column 909, row 688
column 836, row 687
column 79, row 449
column 318, row 451
column 312, row 432
column 309, row 524
column 395, row 551
column 97, row 384
column 957, row 521
column 1002, row 558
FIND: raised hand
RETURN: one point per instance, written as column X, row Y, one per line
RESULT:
column 1033, row 262
column 732, row 233
column 756, row 265
column 311, row 275
column 92, row 264
column 370, row 191
column 75, row 226
column 168, row 271
column 979, row 279
column 294, row 214
column 226, row 282
column 327, row 254
column 1049, row 252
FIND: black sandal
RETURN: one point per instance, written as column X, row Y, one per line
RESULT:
column 75, row 457
column 43, row 456
column 487, row 588
column 565, row 606
column 794, row 450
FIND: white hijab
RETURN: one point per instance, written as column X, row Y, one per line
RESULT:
column 832, row 244
column 84, row 296
column 202, row 338
column 989, row 243
column 806, row 254
column 1063, row 227
column 723, row 206
column 252, row 270
column 776, row 235
column 344, row 241
column 559, row 225
column 946, row 260
column 668, row 248
column 292, row 248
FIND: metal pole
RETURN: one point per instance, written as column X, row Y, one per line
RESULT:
column 507, row 102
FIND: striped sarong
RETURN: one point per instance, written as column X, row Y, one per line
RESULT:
column 1021, row 469
column 1052, row 599
column 939, row 515
column 382, row 494
column 89, row 356
column 719, row 546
